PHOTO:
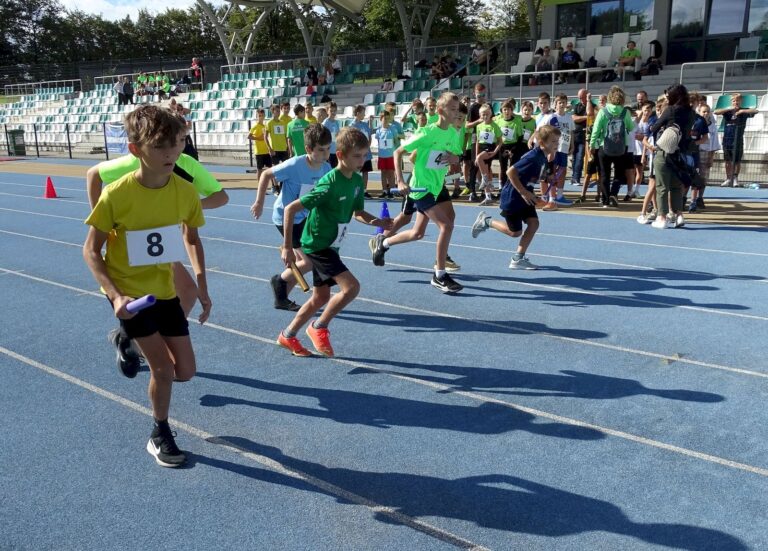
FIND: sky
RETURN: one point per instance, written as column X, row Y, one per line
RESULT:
column 114, row 10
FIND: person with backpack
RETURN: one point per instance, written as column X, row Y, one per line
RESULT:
column 678, row 118
column 613, row 125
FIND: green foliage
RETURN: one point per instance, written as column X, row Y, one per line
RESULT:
column 507, row 19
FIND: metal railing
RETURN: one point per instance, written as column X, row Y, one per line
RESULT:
column 240, row 68
column 763, row 63
column 111, row 79
column 42, row 86
column 534, row 76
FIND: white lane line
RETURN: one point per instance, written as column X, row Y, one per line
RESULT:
column 542, row 234
column 332, row 489
column 474, row 396
column 618, row 348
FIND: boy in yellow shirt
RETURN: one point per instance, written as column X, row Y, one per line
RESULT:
column 139, row 217
column 258, row 135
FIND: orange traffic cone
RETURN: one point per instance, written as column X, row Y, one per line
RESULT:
column 50, row 191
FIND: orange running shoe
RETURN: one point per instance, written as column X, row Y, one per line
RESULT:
column 320, row 340
column 550, row 206
column 293, row 345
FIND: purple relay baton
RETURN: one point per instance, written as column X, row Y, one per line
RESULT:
column 140, row 303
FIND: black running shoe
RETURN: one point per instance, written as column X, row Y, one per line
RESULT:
column 446, row 284
column 127, row 360
column 163, row 448
column 700, row 203
column 287, row 304
column 613, row 201
column 378, row 250
column 279, row 289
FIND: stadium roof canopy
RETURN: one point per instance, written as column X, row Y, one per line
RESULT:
column 350, row 8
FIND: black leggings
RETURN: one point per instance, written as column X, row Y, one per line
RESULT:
column 619, row 166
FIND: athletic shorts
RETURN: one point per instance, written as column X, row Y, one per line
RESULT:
column 279, row 156
column 165, row 317
column 629, row 161
column 408, row 206
column 637, row 160
column 466, row 156
column 333, row 160
column 326, row 265
column 386, row 163
column 515, row 218
column 429, row 200
column 735, row 153
column 368, row 166
column 298, row 229
column 263, row 161
column 483, row 148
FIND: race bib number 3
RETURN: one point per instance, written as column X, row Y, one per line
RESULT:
column 507, row 133
column 436, row 159
column 155, row 246
column 486, row 137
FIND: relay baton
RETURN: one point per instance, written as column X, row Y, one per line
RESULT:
column 418, row 189
column 299, row 277
column 140, row 303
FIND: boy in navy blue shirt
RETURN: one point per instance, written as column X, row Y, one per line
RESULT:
column 518, row 200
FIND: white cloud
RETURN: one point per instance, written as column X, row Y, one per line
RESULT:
column 115, row 10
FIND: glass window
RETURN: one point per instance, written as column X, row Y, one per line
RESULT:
column 726, row 16
column 722, row 48
column 683, row 52
column 687, row 18
column 758, row 15
column 638, row 15
column 604, row 18
column 572, row 20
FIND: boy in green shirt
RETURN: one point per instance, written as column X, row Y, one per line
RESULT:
column 436, row 148
column 295, row 131
column 487, row 146
column 331, row 204
column 511, row 130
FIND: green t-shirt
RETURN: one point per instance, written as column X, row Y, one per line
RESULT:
column 631, row 53
column 488, row 134
column 430, row 168
column 296, row 134
column 463, row 142
column 511, row 129
column 186, row 167
column 331, row 204
column 433, row 119
column 527, row 128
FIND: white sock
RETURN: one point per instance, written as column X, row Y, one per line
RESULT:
column 385, row 243
column 439, row 273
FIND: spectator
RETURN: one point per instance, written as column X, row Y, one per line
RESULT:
column 198, row 72
column 627, row 59
column 436, row 71
column 641, row 98
column 478, row 54
column 330, row 74
column 118, row 88
column 735, row 121
column 545, row 63
column 579, row 136
column 311, row 76
column 127, row 91
column 335, row 64
column 570, row 59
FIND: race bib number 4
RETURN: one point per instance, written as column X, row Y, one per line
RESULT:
column 436, row 159
column 155, row 246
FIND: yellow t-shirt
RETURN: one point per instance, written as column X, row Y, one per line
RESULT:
column 259, row 143
column 126, row 205
column 311, row 120
column 277, row 129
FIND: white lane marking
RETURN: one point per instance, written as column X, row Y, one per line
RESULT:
column 336, row 491
column 542, row 234
column 618, row 348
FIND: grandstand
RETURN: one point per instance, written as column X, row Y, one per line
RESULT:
column 62, row 119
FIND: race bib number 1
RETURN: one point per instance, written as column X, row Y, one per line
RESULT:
column 155, row 246
column 436, row 159
column 385, row 143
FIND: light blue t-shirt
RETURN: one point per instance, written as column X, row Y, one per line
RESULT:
column 333, row 127
column 386, row 139
column 365, row 129
column 397, row 128
column 297, row 178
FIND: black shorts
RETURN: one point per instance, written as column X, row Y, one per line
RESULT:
column 368, row 166
column 466, row 156
column 165, row 317
column 408, row 206
column 637, row 159
column 734, row 153
column 429, row 200
column 263, row 161
column 516, row 218
column 333, row 160
column 483, row 149
column 629, row 161
column 298, row 229
column 279, row 156
column 326, row 265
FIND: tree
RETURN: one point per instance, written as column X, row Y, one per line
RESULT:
column 509, row 18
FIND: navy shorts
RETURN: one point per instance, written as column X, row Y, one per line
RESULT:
column 326, row 265
column 367, row 167
column 298, row 229
column 408, row 206
column 165, row 317
column 561, row 159
column 429, row 200
column 516, row 218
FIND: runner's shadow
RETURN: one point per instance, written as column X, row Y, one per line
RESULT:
column 570, row 384
column 424, row 323
column 495, row 501
column 379, row 411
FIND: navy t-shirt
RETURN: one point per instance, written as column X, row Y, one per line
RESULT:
column 698, row 131
column 529, row 169
column 733, row 133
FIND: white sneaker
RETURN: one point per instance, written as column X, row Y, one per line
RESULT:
column 660, row 223
column 726, row 183
column 643, row 219
column 679, row 221
column 522, row 264
column 736, row 182
column 480, row 225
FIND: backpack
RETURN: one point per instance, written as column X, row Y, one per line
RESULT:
column 669, row 140
column 615, row 142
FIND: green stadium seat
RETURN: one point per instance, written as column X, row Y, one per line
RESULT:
column 455, row 83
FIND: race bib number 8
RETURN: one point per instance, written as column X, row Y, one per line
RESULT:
column 436, row 159
column 155, row 246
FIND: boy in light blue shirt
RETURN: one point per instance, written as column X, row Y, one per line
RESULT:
column 333, row 127
column 366, row 128
column 298, row 176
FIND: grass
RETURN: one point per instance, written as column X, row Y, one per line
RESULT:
column 9, row 99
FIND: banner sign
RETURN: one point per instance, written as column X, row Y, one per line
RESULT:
column 117, row 138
